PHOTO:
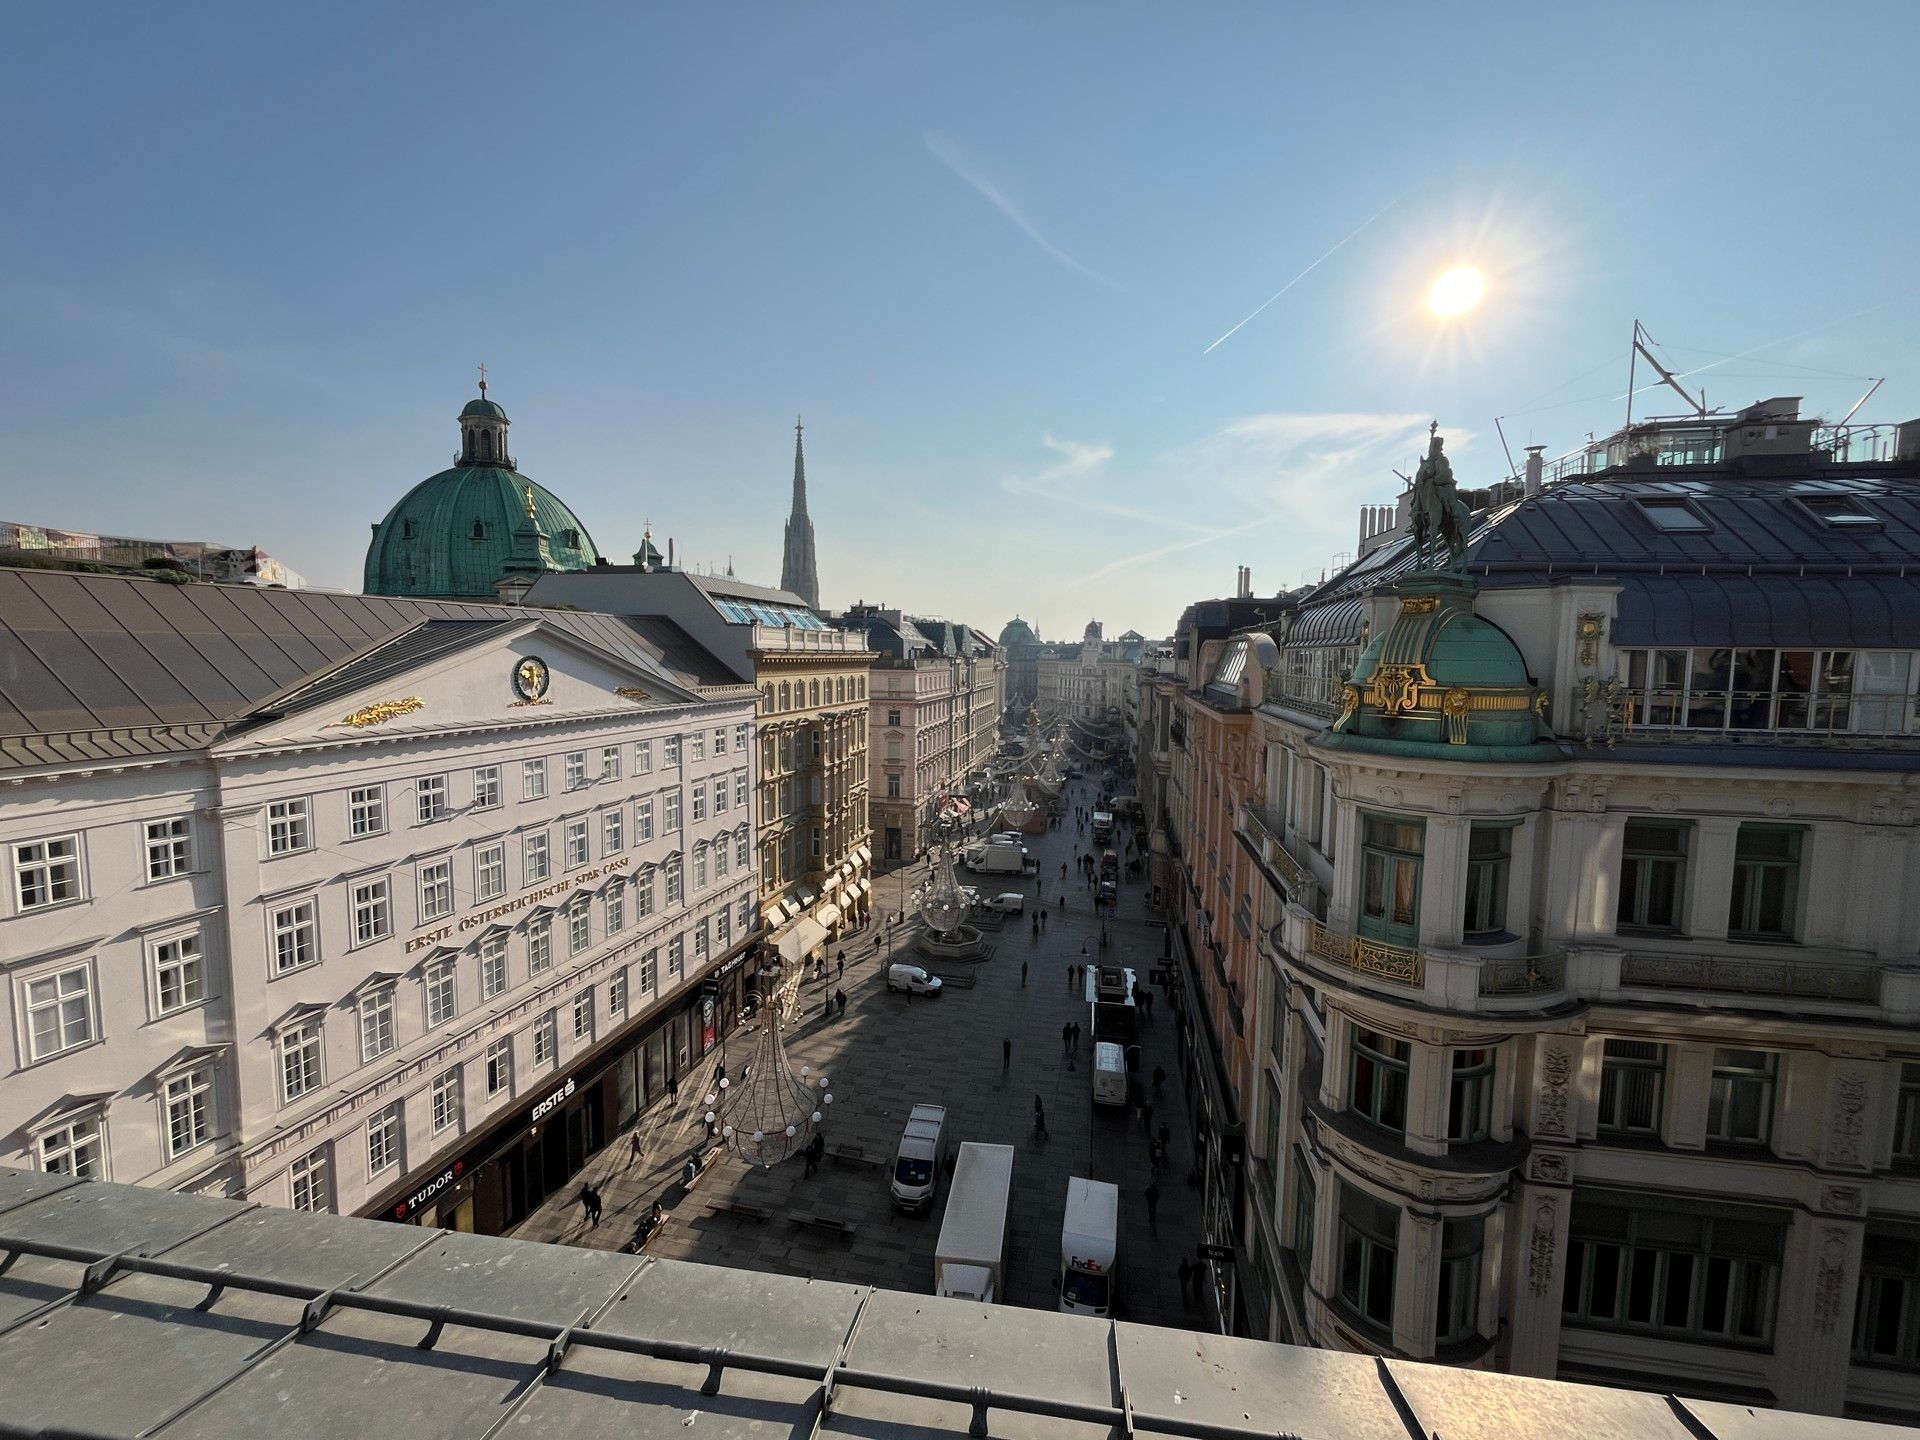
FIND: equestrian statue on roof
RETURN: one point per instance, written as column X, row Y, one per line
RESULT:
column 1440, row 517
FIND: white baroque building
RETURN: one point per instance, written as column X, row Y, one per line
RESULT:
column 382, row 906
column 1582, row 1037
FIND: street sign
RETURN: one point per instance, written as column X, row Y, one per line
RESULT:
column 1222, row 1253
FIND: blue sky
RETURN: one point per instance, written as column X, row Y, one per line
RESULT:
column 250, row 255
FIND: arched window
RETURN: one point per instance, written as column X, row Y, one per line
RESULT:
column 786, row 696
column 840, row 689
column 479, row 529
column 816, row 693
column 766, row 698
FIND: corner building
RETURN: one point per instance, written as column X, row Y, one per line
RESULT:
column 1583, row 1037
column 379, row 906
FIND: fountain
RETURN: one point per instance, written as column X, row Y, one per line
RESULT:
column 943, row 911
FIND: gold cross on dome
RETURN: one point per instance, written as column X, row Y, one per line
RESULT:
column 483, row 382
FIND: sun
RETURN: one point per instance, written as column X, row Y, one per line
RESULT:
column 1456, row 292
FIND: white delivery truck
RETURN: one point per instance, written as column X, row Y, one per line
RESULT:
column 1109, row 1074
column 923, row 1146
column 1000, row 857
column 1089, row 1247
column 1102, row 827
column 972, row 1248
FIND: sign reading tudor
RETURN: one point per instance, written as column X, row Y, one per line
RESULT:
column 427, row 1191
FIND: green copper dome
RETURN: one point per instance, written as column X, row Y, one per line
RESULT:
column 459, row 533
column 1018, row 632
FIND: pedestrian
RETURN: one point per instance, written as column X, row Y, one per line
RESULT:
column 586, row 1201
column 1076, row 1034
column 1186, row 1280
column 673, row 1087
column 1066, row 1039
column 1159, row 1080
column 1036, row 924
column 1023, row 974
column 842, row 961
column 1063, row 869
column 1083, row 954
column 1069, row 977
column 840, row 1001
column 1152, row 1195
column 1154, row 1156
column 1006, row 1055
column 1043, row 922
column 634, row 1154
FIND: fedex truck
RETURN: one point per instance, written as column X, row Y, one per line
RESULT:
column 1089, row 1247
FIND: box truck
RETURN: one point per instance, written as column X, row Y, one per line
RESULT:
column 1089, row 1247
column 916, row 1166
column 1109, row 1073
column 1000, row 857
column 972, row 1250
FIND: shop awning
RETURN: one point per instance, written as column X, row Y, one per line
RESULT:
column 863, row 855
column 831, row 881
column 804, row 935
column 865, row 885
column 828, row 915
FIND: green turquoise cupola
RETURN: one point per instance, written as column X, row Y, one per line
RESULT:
column 456, row 535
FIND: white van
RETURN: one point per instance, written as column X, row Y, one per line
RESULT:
column 912, row 979
column 1109, row 1074
column 923, row 1150
column 1089, row 1247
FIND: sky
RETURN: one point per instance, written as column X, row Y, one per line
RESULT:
column 995, row 254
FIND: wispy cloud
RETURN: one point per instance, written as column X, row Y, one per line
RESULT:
column 1303, row 274
column 1073, row 480
column 949, row 155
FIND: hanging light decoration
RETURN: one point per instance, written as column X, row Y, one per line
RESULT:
column 771, row 1114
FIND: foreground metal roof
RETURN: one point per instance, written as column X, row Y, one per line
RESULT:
column 129, row 1312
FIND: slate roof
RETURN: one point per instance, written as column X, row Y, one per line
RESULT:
column 97, row 667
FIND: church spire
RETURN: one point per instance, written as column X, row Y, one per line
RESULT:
column 798, row 573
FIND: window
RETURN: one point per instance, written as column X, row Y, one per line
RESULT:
column 893, row 787
column 180, row 980
column 617, row 993
column 442, row 993
column 493, row 966
column 650, row 972
column 436, row 890
column 499, row 1066
column 643, row 892
column 1692, row 1273
column 742, row 853
column 1378, row 1079
column 579, row 927
column 189, row 1101
column 719, row 741
column 613, row 832
column 1653, row 872
column 1862, row 691
column 536, row 860
column 546, row 1039
column 430, row 798
column 676, row 957
column 610, row 762
column 719, row 796
column 670, row 751
column 539, row 946
column 583, row 1014
column 533, row 779
column 1632, row 1077
column 720, row 858
column 643, row 822
column 740, row 739
column 60, row 1012
column 289, row 827
column 376, row 1023
column 372, row 911
column 1886, row 1324
column 643, row 757
column 700, row 868
column 383, row 1141
column 1300, row 1233
column 486, row 787
column 47, row 872
column 1489, row 858
column 723, row 929
column 1766, row 883
column 1906, row 1114
column 673, row 880
column 490, row 872
column 670, row 810
column 575, row 839
column 740, row 790
column 1740, row 1104
column 1840, row 511
column 700, row 950
column 311, row 1189
column 1369, row 1244
column 616, row 910
column 1675, row 517
column 1390, row 859
column 1459, row 1303
column 299, row 1062
column 576, row 769
column 169, row 848
column 446, row 1100
column 1470, row 1096
column 77, row 1148
column 293, row 935
column 893, row 717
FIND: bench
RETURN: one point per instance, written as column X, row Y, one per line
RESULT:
column 956, row 979
column 848, row 1154
column 738, row 1207
column 842, row 1228
column 636, row 1245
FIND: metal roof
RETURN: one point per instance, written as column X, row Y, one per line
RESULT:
column 128, row 1312
column 1843, row 611
column 110, row 666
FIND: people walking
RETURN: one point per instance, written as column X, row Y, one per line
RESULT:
column 586, row 1202
column 634, row 1152
column 1152, row 1196
column 1186, row 1280
column 1159, row 1080
column 1023, row 974
column 840, row 1001
column 841, row 961
column 1043, row 922
column 1006, row 1055
column 1066, row 1039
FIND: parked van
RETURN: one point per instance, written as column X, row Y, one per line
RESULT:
column 912, row 979
column 922, row 1153
column 1089, row 1247
column 1011, row 903
column 1102, row 827
column 1109, row 1073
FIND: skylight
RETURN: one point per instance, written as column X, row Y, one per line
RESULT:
column 1841, row 511
column 1676, row 517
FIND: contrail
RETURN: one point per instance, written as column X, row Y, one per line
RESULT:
column 947, row 155
column 1304, row 273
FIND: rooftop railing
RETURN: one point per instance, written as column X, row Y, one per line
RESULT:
column 790, row 638
column 1723, row 972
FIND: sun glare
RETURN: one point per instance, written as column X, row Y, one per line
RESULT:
column 1456, row 292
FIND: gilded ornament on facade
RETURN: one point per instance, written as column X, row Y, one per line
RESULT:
column 1454, row 705
column 1419, row 604
column 531, row 679
column 1589, row 629
column 631, row 692
column 1397, row 687
column 382, row 711
column 1349, row 706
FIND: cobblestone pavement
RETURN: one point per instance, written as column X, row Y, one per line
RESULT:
column 889, row 1053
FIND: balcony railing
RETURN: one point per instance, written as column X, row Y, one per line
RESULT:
column 1316, row 694
column 1526, row 975
column 1397, row 963
column 1265, row 830
column 1790, row 977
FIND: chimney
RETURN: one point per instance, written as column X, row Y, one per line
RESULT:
column 1536, row 478
column 669, row 552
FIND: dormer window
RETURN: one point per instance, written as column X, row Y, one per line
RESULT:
column 1675, row 517
column 1839, row 511
column 479, row 530
column 570, row 538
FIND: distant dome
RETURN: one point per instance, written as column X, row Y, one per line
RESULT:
column 1018, row 632
column 459, row 533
